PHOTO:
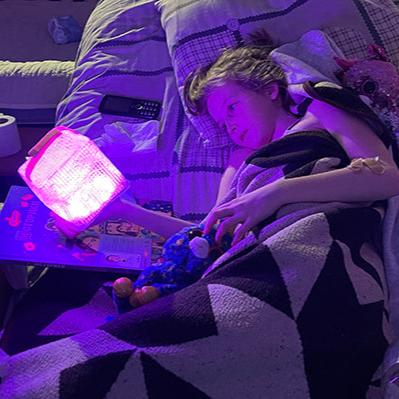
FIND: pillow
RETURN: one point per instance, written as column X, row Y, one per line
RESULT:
column 198, row 31
column 122, row 52
column 30, row 91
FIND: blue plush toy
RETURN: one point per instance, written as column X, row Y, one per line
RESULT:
column 65, row 29
column 186, row 255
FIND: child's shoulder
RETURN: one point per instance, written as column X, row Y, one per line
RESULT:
column 309, row 122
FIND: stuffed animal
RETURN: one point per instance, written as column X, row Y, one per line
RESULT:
column 186, row 255
column 376, row 80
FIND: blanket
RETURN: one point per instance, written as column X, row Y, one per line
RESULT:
column 295, row 310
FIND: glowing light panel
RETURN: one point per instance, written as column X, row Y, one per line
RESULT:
column 72, row 177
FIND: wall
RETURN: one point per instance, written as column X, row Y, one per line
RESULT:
column 23, row 28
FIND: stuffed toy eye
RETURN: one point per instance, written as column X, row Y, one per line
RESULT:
column 195, row 232
column 369, row 87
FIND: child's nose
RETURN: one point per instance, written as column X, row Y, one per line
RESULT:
column 232, row 129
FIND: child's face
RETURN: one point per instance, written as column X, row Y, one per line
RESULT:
column 248, row 116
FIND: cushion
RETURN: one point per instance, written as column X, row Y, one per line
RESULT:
column 197, row 31
column 30, row 91
column 122, row 52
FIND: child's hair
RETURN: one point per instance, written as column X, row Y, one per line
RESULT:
column 249, row 65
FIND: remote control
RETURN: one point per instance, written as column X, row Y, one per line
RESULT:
column 128, row 106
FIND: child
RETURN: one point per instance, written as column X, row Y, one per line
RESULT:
column 246, row 94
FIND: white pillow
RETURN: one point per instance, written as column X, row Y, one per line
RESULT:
column 122, row 52
column 197, row 32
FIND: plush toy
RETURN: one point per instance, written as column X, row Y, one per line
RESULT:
column 376, row 80
column 186, row 255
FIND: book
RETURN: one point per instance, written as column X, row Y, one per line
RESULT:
column 28, row 236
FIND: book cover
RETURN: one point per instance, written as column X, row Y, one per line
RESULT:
column 28, row 236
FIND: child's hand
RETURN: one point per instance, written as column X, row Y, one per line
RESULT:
column 115, row 209
column 243, row 213
column 69, row 229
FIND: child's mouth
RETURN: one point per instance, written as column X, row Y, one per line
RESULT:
column 243, row 134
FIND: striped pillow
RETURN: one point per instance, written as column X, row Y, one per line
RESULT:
column 122, row 52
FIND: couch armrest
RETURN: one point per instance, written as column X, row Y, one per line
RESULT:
column 30, row 91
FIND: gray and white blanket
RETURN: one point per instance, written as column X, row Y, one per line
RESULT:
column 296, row 311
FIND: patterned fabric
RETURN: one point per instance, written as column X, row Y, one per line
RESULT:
column 299, row 312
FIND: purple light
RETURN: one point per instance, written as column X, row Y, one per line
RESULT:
column 72, row 177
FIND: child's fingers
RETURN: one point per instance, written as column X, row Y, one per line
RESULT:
column 215, row 216
column 226, row 226
column 240, row 232
column 208, row 223
column 69, row 229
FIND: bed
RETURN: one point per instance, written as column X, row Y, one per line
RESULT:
column 255, row 325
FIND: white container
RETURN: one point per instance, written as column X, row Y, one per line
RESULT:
column 10, row 142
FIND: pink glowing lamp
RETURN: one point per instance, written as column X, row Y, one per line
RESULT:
column 71, row 176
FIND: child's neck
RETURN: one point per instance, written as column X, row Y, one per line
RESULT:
column 283, row 122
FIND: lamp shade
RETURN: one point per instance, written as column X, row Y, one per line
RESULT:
column 71, row 176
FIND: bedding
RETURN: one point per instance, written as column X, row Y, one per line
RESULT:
column 307, row 280
column 297, row 312
column 147, row 48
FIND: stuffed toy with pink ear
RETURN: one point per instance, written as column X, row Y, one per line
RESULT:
column 376, row 79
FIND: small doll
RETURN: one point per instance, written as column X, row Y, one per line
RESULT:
column 186, row 255
column 376, row 80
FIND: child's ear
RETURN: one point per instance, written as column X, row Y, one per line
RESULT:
column 272, row 91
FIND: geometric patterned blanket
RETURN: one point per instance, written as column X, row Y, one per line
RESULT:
column 297, row 310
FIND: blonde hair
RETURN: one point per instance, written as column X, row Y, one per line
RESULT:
column 250, row 66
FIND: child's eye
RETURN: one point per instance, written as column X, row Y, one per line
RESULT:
column 232, row 107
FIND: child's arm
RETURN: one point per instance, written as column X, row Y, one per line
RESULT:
column 343, row 185
column 166, row 225
column 237, row 157
column 162, row 224
column 158, row 222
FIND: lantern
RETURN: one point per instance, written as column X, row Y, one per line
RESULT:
column 71, row 176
